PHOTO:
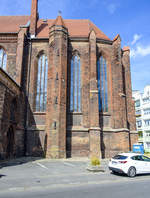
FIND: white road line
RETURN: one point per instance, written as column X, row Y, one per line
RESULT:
column 42, row 165
column 68, row 164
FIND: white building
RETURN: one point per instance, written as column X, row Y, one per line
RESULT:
column 142, row 111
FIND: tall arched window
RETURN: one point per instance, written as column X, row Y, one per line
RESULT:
column 102, row 84
column 3, row 59
column 75, row 85
column 41, row 88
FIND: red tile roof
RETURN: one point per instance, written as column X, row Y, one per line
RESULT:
column 12, row 23
column 76, row 28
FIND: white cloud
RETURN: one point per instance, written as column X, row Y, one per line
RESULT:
column 111, row 8
column 140, row 51
column 136, row 37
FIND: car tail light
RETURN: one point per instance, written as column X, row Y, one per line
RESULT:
column 122, row 162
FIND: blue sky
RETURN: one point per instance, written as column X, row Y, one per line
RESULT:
column 129, row 18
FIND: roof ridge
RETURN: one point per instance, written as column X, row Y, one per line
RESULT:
column 89, row 24
column 96, row 28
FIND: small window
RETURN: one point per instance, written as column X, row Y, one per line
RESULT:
column 139, row 123
column 137, row 103
column 147, row 133
column 3, row 59
column 147, row 145
column 147, row 111
column 146, row 100
column 147, row 122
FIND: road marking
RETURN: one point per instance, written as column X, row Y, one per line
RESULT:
column 68, row 164
column 41, row 165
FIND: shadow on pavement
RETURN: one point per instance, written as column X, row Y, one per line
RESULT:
column 124, row 175
column 144, row 174
column 18, row 161
column 2, row 175
column 119, row 174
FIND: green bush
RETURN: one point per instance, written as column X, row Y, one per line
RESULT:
column 146, row 152
column 140, row 133
column 95, row 161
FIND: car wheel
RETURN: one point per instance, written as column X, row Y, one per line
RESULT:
column 132, row 172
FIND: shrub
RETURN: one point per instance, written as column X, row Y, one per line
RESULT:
column 95, row 161
column 140, row 133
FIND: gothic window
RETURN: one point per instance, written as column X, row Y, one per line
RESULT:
column 3, row 59
column 75, row 85
column 41, row 86
column 102, row 84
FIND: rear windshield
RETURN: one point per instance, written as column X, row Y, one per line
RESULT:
column 120, row 157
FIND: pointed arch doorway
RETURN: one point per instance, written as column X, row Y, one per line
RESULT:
column 10, row 143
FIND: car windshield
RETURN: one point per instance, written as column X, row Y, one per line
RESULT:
column 120, row 157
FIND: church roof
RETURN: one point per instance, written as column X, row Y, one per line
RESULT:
column 76, row 27
column 11, row 24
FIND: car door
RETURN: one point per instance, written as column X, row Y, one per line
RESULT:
column 139, row 164
column 147, row 163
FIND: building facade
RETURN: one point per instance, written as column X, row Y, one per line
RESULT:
column 65, row 89
column 142, row 112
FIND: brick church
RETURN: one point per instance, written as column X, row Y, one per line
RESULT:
column 65, row 89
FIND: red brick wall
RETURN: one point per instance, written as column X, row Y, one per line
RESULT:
column 114, row 143
column 77, row 144
column 9, row 44
column 59, row 52
column 10, row 117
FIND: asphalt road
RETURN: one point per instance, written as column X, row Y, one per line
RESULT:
column 67, row 179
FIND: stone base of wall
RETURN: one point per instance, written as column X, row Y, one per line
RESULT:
column 113, row 143
column 19, row 143
column 77, row 144
column 36, row 143
column 133, row 137
column 17, row 147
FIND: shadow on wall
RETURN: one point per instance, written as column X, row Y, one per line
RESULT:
column 101, row 121
column 9, row 114
column 36, row 138
column 124, row 91
column 15, row 140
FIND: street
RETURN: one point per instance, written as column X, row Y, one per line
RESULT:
column 67, row 178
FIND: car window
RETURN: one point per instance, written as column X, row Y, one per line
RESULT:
column 145, row 158
column 120, row 157
column 137, row 157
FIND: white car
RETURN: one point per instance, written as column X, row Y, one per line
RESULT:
column 130, row 164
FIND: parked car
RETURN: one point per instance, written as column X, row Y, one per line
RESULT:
column 130, row 164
